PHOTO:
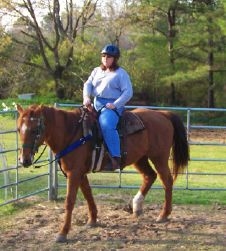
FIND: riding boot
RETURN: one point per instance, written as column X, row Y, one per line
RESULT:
column 113, row 165
column 116, row 161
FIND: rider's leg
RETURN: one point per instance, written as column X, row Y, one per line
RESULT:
column 108, row 120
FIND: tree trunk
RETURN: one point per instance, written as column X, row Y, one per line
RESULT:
column 211, row 103
column 211, row 72
column 171, row 36
column 59, row 86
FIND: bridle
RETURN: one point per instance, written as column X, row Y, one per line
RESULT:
column 38, row 133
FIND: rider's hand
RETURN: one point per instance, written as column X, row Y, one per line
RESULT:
column 110, row 106
column 87, row 101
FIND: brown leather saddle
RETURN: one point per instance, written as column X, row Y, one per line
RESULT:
column 129, row 123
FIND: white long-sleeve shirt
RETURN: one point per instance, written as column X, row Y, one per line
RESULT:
column 114, row 85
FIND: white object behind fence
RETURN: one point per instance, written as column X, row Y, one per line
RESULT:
column 4, row 167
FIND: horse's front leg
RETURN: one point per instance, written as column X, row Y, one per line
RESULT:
column 87, row 192
column 73, row 182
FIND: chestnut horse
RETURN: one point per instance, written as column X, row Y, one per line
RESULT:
column 164, row 135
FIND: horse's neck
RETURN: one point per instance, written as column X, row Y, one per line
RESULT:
column 61, row 128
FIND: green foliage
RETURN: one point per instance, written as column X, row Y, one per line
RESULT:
column 156, row 61
column 149, row 64
column 190, row 76
column 47, row 99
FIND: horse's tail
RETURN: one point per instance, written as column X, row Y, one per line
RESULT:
column 180, row 147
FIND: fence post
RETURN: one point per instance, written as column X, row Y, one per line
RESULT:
column 188, row 138
column 53, row 179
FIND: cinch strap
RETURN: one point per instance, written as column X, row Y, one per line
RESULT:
column 73, row 146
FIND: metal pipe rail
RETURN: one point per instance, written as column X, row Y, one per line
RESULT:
column 189, row 126
column 12, row 176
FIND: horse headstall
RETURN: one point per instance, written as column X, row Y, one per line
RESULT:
column 36, row 134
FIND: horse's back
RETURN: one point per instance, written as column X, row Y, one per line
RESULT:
column 155, row 121
column 155, row 140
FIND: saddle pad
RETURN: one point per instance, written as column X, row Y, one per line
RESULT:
column 131, row 122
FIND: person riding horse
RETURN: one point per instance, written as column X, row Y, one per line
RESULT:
column 163, row 136
column 111, row 87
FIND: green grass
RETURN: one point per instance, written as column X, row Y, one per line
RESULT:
column 156, row 195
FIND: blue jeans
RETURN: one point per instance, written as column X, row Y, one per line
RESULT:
column 108, row 120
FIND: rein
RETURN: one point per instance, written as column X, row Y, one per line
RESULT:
column 73, row 146
column 39, row 157
column 65, row 151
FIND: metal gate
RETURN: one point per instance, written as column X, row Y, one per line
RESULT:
column 15, row 182
column 18, row 183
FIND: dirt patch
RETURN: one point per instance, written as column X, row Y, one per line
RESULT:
column 189, row 228
column 208, row 135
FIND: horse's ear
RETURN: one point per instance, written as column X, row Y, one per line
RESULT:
column 19, row 108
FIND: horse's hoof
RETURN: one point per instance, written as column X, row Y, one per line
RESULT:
column 137, row 213
column 61, row 238
column 161, row 219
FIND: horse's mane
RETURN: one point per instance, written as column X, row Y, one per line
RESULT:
column 62, row 119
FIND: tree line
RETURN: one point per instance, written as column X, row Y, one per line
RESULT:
column 174, row 50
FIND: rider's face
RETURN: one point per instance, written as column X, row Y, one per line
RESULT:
column 107, row 60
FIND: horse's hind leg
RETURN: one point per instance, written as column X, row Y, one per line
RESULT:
column 166, row 178
column 87, row 192
column 149, row 176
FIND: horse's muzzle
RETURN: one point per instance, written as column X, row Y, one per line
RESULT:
column 25, row 162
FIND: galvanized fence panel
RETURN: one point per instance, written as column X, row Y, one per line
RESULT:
column 18, row 183
column 129, row 178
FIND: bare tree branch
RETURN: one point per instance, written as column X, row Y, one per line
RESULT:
column 24, row 62
column 49, row 45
